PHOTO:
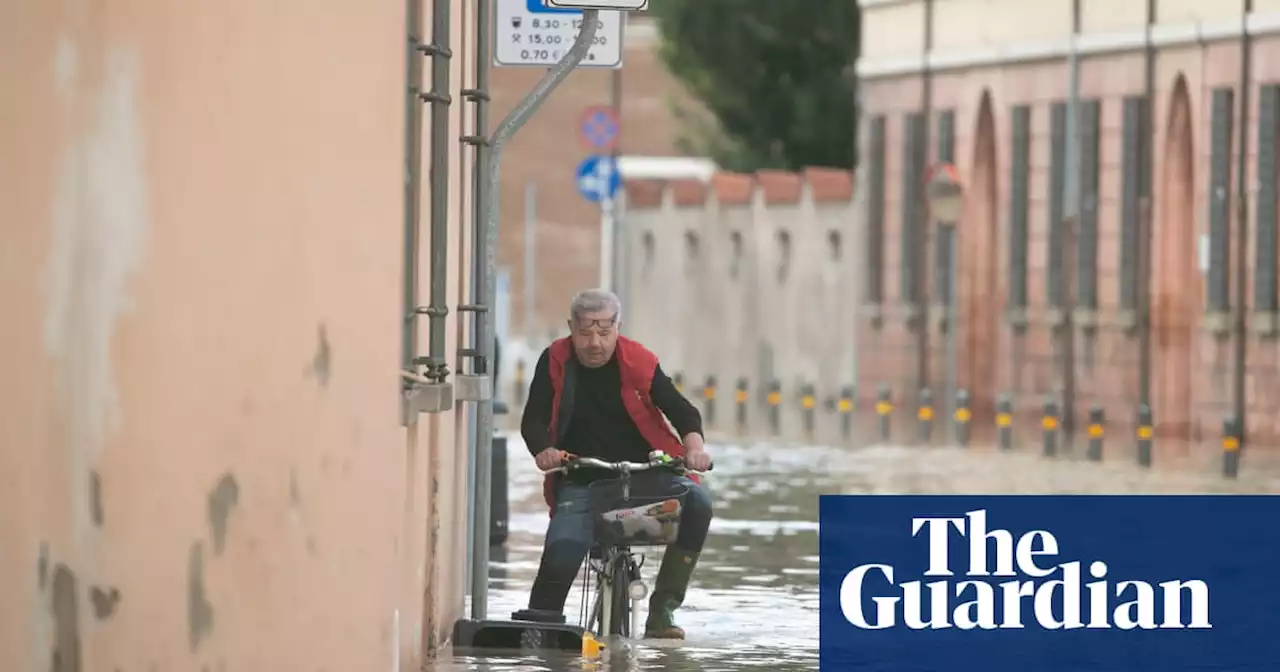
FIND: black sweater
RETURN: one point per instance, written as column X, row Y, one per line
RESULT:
column 599, row 425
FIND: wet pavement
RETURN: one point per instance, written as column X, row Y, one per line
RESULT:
column 754, row 600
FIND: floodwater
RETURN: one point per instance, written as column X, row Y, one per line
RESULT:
column 754, row 599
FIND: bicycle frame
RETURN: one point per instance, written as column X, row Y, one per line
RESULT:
column 610, row 575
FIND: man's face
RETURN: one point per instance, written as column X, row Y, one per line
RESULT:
column 594, row 335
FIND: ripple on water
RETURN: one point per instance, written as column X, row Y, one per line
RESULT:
column 754, row 603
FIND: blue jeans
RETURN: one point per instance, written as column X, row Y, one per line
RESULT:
column 571, row 534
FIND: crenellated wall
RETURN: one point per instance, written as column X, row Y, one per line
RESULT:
column 747, row 278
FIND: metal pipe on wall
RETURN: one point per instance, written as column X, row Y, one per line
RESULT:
column 1072, row 197
column 482, row 303
column 412, row 189
column 437, row 367
column 1146, row 215
column 925, row 222
column 1239, row 401
column 517, row 118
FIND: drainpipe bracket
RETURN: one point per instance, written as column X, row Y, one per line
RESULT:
column 1217, row 323
column 427, row 398
column 473, row 387
column 1266, row 324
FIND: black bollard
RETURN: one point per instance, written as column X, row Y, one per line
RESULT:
column 709, row 400
column 884, row 409
column 1146, row 433
column 962, row 417
column 1050, row 425
column 519, row 382
column 1097, row 427
column 1232, row 440
column 808, row 402
column 775, row 402
column 499, row 504
column 1004, row 421
column 924, row 416
column 846, row 406
column 740, row 401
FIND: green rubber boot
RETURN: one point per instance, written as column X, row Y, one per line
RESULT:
column 668, row 593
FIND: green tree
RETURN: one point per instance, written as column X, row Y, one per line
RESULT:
column 774, row 76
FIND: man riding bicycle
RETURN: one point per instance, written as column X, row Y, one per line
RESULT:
column 598, row 394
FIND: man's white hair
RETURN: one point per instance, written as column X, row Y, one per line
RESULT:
column 594, row 301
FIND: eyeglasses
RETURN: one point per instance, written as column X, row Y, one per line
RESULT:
column 608, row 323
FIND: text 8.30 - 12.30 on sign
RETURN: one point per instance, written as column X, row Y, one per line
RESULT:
column 528, row 34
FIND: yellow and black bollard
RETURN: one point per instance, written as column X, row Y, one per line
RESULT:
column 962, row 417
column 1004, row 422
column 924, row 416
column 845, row 406
column 775, row 403
column 1097, row 427
column 709, row 400
column 884, row 409
column 1146, row 434
column 678, row 381
column 1050, row 425
column 518, row 380
column 1232, row 441
column 740, row 404
column 808, row 404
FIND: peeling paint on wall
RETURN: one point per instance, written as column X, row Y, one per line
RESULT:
column 65, row 610
column 95, row 499
column 104, row 601
column 222, row 499
column 322, row 361
column 199, row 609
column 99, row 235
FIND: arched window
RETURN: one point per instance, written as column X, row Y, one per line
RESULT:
column 646, row 244
column 834, row 250
column 735, row 254
column 692, row 252
column 784, row 256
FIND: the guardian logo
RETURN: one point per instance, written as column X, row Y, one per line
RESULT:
column 1040, row 587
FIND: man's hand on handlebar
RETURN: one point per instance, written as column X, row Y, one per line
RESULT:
column 697, row 460
column 549, row 459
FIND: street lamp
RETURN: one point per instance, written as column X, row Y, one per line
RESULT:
column 945, row 195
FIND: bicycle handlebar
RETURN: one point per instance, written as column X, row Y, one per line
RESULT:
column 573, row 462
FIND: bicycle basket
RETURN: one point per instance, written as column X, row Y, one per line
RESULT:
column 649, row 517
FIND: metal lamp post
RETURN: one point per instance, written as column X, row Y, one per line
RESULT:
column 945, row 195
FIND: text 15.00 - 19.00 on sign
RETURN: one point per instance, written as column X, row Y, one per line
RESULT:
column 540, row 38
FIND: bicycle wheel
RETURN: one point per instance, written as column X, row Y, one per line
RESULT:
column 619, row 594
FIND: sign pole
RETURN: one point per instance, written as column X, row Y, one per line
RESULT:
column 488, row 219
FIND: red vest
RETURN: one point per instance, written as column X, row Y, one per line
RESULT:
column 636, row 366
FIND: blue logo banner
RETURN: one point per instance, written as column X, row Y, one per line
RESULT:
column 1050, row 583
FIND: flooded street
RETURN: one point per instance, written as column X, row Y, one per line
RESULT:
column 754, row 599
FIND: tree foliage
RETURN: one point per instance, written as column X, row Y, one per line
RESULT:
column 774, row 76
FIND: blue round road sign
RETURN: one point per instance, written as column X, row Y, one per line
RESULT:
column 599, row 127
column 598, row 178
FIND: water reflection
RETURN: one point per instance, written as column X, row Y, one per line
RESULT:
column 754, row 602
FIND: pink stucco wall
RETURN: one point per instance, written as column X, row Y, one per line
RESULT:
column 202, row 464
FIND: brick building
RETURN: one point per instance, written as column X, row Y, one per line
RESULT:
column 1041, row 301
column 547, row 152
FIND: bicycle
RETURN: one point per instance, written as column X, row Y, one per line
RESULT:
column 617, row 531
